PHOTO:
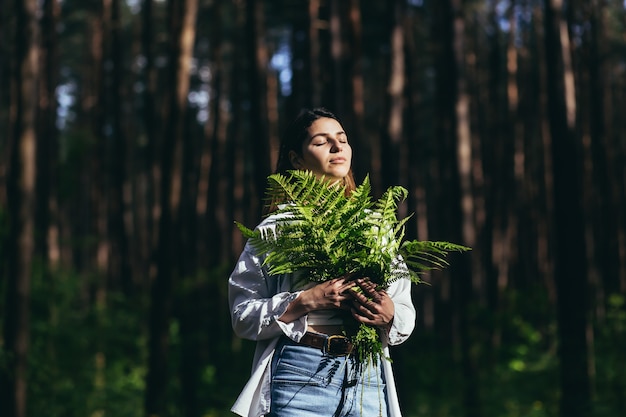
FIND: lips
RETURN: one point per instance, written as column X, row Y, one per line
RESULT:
column 338, row 160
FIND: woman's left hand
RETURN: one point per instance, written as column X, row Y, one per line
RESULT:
column 370, row 306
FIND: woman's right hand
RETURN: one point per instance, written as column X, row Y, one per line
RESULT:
column 326, row 295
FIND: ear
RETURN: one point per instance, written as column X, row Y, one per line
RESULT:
column 295, row 159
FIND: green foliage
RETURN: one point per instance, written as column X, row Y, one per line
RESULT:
column 516, row 363
column 85, row 358
column 610, row 387
column 324, row 233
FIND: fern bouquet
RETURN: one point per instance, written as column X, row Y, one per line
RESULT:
column 324, row 234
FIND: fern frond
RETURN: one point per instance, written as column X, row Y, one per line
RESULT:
column 321, row 234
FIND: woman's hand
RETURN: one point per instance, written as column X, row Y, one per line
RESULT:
column 370, row 306
column 326, row 295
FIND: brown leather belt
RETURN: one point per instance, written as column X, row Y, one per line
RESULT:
column 335, row 345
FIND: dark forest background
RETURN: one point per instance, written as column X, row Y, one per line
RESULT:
column 134, row 133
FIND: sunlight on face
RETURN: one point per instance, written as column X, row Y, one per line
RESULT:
column 326, row 151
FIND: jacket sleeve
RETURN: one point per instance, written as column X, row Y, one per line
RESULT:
column 258, row 299
column 404, row 317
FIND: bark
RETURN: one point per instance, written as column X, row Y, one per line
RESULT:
column 456, row 177
column 545, row 228
column 357, row 99
column 606, row 197
column 257, row 63
column 327, row 44
column 182, row 20
column 465, row 216
column 242, row 186
column 315, row 26
column 147, row 160
column 493, row 238
column 443, row 130
column 303, row 34
column 47, row 135
column 209, row 196
column 189, row 303
column 120, row 268
column 570, row 269
column 21, row 210
column 393, row 120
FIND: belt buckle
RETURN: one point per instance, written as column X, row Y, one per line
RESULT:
column 337, row 345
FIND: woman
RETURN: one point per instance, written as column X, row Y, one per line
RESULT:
column 302, row 363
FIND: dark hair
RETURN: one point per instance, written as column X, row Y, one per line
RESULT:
column 294, row 136
column 296, row 133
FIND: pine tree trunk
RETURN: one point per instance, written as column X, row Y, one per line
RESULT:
column 315, row 56
column 21, row 208
column 570, row 271
column 393, row 119
column 606, row 199
column 147, row 161
column 47, row 135
column 182, row 20
column 120, row 268
column 257, row 63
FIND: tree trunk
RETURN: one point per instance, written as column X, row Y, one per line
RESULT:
column 301, row 44
column 147, row 160
column 189, row 303
column 119, row 270
column 570, row 269
column 393, row 120
column 456, row 177
column 47, row 135
column 182, row 20
column 257, row 63
column 606, row 199
column 21, row 209
column 315, row 59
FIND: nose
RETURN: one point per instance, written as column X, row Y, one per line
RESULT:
column 337, row 146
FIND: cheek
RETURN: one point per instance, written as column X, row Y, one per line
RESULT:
column 312, row 156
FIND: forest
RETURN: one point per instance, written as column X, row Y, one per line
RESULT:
column 135, row 133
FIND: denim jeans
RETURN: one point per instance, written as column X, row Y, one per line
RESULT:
column 307, row 382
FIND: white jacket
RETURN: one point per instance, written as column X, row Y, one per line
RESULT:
column 258, row 299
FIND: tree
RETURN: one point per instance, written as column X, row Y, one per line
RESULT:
column 456, row 175
column 182, row 22
column 21, row 204
column 570, row 268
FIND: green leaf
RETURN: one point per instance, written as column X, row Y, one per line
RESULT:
column 322, row 230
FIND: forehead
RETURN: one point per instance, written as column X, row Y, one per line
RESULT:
column 324, row 125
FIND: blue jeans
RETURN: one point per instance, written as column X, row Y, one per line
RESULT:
column 307, row 382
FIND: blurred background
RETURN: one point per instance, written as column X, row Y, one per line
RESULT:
column 135, row 132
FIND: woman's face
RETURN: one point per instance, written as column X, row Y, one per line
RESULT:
column 325, row 151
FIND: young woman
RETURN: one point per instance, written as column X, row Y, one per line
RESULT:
column 303, row 366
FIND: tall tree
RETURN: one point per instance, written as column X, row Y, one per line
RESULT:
column 456, row 176
column 182, row 16
column 257, row 64
column 119, row 270
column 570, row 268
column 47, row 134
column 21, row 205
column 146, row 160
column 393, row 120
column 606, row 197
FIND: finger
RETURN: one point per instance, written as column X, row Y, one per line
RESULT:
column 358, row 296
column 364, row 315
column 347, row 285
column 367, row 297
column 367, row 306
column 367, row 286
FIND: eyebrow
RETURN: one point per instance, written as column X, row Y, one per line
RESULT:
column 325, row 134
